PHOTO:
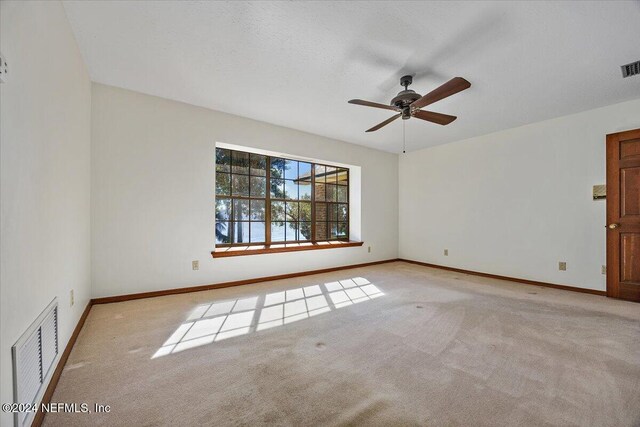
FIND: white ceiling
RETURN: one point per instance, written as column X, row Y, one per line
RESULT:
column 296, row 64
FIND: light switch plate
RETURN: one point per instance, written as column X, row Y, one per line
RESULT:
column 562, row 266
column 195, row 265
column 599, row 192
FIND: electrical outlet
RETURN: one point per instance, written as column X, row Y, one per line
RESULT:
column 71, row 298
column 446, row 252
column 604, row 269
column 562, row 266
column 369, row 250
column 195, row 265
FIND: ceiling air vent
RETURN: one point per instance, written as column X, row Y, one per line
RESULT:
column 631, row 69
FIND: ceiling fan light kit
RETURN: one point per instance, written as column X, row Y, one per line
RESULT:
column 408, row 103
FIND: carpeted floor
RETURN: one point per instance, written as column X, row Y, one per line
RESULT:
column 393, row 344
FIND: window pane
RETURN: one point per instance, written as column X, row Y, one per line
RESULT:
column 240, row 209
column 304, row 189
column 342, row 193
column 305, row 211
column 291, row 169
column 332, row 212
column 240, row 162
column 304, row 231
column 343, row 176
column 277, row 211
column 321, row 211
column 321, row 230
column 304, row 171
column 257, row 232
column 319, row 171
column 277, row 167
column 258, row 186
column 277, row 188
column 258, row 164
column 257, row 210
column 240, row 185
column 331, row 175
column 223, row 185
column 277, row 231
column 292, row 231
column 223, row 160
column 223, row 209
column 292, row 211
column 342, row 230
column 343, row 213
column 331, row 193
column 333, row 230
column 223, row 232
column 241, row 232
column 320, row 191
column 291, row 189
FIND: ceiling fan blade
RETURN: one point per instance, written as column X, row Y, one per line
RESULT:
column 386, row 122
column 453, row 86
column 372, row 104
column 430, row 116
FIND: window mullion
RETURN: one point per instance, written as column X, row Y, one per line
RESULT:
column 232, row 223
column 313, row 203
column 267, row 204
column 348, row 206
column 249, row 202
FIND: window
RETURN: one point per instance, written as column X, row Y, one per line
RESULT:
column 262, row 200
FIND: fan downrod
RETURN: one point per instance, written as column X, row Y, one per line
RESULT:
column 406, row 81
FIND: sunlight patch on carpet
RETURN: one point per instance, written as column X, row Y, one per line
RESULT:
column 220, row 320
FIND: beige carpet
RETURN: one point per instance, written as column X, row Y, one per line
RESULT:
column 394, row 344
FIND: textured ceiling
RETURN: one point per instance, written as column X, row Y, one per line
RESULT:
column 296, row 64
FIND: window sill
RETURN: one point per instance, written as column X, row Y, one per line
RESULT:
column 285, row 247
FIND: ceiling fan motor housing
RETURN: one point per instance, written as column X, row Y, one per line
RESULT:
column 405, row 98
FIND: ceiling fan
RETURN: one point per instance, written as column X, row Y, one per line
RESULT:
column 408, row 103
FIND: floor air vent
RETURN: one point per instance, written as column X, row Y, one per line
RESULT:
column 631, row 69
column 34, row 355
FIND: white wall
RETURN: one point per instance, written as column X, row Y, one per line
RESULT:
column 44, row 149
column 515, row 202
column 153, row 194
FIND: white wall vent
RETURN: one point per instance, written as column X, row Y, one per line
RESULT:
column 34, row 357
column 631, row 69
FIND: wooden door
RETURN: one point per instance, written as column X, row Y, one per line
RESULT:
column 623, row 215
